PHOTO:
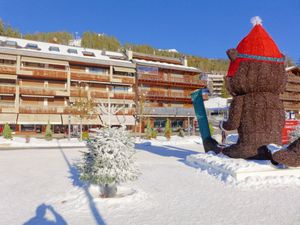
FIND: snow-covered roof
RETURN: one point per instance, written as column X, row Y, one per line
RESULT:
column 64, row 52
column 166, row 65
column 292, row 67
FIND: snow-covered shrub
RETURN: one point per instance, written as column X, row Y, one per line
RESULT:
column 109, row 158
column 7, row 133
column 295, row 133
column 48, row 133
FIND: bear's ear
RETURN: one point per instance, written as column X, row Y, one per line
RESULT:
column 232, row 54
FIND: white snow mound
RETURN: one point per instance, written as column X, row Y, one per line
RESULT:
column 244, row 172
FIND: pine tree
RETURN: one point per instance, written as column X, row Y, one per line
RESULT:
column 48, row 133
column 7, row 133
column 168, row 129
column 108, row 160
column 2, row 28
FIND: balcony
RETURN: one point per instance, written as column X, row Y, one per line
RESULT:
column 43, row 91
column 171, row 81
column 293, row 79
column 7, row 107
column 292, row 87
column 123, row 79
column 123, row 95
column 168, row 96
column 8, row 69
column 80, row 75
column 42, row 109
column 7, row 88
column 43, row 73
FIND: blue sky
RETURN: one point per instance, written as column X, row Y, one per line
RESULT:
column 203, row 28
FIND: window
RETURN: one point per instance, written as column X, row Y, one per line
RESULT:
column 91, row 54
column 120, row 89
column 32, row 46
column 7, row 62
column 31, row 64
column 147, row 70
column 96, row 70
column 72, row 51
column 53, row 49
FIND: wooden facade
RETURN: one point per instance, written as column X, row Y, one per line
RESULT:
column 291, row 95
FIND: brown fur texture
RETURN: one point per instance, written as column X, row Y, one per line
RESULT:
column 290, row 156
column 256, row 110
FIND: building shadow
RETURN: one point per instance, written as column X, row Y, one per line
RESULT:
column 74, row 176
column 40, row 219
column 166, row 150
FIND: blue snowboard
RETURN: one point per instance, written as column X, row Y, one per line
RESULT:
column 209, row 143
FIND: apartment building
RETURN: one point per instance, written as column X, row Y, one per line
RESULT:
column 163, row 87
column 291, row 95
column 215, row 83
column 39, row 83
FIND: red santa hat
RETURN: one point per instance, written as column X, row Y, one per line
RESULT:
column 256, row 46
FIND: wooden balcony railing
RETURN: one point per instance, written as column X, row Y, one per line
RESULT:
column 7, row 69
column 172, row 80
column 24, row 108
column 44, row 73
column 123, row 79
column 7, row 89
column 290, row 96
column 124, row 95
column 42, row 91
column 293, row 79
column 79, row 75
column 166, row 94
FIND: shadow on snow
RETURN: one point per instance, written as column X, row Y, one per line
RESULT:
column 40, row 219
column 77, row 182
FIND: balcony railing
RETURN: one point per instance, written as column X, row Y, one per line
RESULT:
column 123, row 79
column 48, row 91
column 123, row 95
column 185, row 80
column 165, row 94
column 25, row 108
column 7, row 88
column 8, row 69
column 44, row 73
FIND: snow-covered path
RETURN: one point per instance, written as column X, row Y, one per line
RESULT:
column 169, row 192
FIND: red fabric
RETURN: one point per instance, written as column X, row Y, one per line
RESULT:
column 257, row 42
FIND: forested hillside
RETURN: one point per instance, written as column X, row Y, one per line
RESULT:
column 102, row 41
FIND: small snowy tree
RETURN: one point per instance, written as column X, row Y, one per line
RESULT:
column 108, row 160
column 7, row 133
column 168, row 129
column 148, row 129
column 48, row 133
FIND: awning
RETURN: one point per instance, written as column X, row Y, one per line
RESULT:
column 44, row 61
column 41, row 119
column 8, row 57
column 8, row 77
column 124, row 69
column 75, row 120
column 8, row 118
column 118, row 120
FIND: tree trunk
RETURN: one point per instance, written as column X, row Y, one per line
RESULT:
column 80, row 129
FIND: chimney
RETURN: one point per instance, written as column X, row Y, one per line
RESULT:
column 184, row 61
column 129, row 54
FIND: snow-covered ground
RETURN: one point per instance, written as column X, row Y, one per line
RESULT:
column 40, row 184
column 18, row 142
